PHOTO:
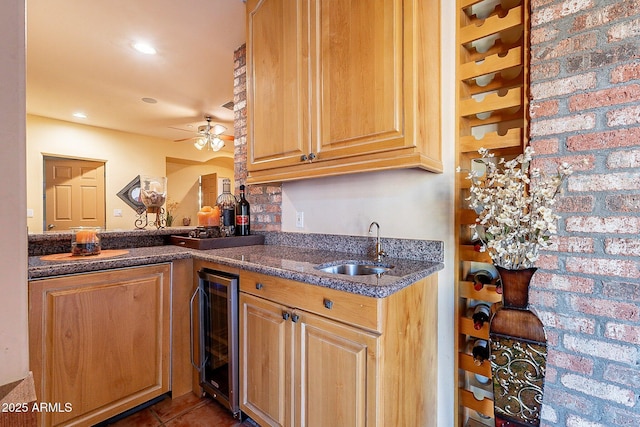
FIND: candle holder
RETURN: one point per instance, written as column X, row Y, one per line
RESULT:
column 85, row 241
column 145, row 218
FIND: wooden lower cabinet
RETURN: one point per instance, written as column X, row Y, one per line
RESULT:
column 313, row 356
column 100, row 342
column 266, row 363
column 335, row 372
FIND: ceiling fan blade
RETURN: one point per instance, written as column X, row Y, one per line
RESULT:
column 226, row 137
column 184, row 139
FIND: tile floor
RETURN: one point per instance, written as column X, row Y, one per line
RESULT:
column 184, row 411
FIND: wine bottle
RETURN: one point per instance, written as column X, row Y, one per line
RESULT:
column 481, row 278
column 481, row 314
column 480, row 351
column 499, row 286
column 227, row 204
column 243, row 217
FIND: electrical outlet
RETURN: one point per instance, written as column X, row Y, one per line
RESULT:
column 117, row 212
column 300, row 219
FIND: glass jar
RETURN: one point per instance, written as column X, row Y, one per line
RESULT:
column 85, row 241
column 153, row 192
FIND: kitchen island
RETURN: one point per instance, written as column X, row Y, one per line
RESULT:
column 372, row 336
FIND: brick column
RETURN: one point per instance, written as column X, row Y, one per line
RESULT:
column 265, row 200
column 585, row 104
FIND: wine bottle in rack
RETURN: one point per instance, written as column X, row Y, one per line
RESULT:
column 499, row 286
column 480, row 352
column 481, row 278
column 481, row 314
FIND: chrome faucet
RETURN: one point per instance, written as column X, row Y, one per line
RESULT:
column 379, row 252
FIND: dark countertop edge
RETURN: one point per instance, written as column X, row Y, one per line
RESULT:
column 175, row 253
column 66, row 234
column 60, row 241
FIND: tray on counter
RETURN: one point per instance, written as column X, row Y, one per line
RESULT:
column 217, row 242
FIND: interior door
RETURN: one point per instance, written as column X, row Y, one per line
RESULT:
column 209, row 189
column 74, row 193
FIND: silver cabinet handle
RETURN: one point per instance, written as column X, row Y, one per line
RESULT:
column 328, row 304
column 259, row 286
column 191, row 321
column 193, row 297
column 285, row 315
column 295, row 318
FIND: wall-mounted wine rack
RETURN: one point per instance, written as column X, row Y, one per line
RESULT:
column 492, row 70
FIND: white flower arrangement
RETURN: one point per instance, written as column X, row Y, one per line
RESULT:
column 515, row 218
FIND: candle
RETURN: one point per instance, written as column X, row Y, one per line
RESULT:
column 85, row 241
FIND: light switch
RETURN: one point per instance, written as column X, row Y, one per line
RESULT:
column 117, row 212
column 29, row 213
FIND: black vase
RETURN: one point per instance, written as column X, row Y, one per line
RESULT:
column 518, row 353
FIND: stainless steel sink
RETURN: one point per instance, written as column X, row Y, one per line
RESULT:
column 354, row 269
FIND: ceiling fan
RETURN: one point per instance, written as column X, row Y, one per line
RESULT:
column 211, row 137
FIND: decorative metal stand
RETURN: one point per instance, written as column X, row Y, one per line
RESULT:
column 143, row 218
column 518, row 354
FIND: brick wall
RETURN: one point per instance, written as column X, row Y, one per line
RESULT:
column 585, row 103
column 265, row 200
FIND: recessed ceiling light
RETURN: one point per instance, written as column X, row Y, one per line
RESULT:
column 149, row 100
column 145, row 48
column 80, row 115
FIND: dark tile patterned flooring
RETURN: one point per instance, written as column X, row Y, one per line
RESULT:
column 184, row 411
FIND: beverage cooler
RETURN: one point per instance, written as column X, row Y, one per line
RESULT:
column 216, row 299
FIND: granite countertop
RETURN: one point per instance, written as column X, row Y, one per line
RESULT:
column 39, row 269
column 277, row 258
column 300, row 264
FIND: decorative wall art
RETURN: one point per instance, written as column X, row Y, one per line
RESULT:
column 130, row 194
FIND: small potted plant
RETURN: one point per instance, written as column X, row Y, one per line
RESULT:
column 171, row 209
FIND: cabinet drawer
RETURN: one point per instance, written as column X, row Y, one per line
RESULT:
column 342, row 306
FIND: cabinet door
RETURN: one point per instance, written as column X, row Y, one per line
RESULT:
column 277, row 83
column 358, row 79
column 100, row 342
column 265, row 361
column 336, row 372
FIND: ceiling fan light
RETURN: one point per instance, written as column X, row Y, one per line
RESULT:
column 217, row 144
column 200, row 143
column 218, row 129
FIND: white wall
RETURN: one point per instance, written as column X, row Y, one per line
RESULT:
column 409, row 204
column 14, row 350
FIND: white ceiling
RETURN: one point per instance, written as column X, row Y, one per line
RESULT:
column 79, row 58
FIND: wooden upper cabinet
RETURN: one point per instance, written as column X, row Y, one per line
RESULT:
column 357, row 80
column 278, row 94
column 336, row 87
